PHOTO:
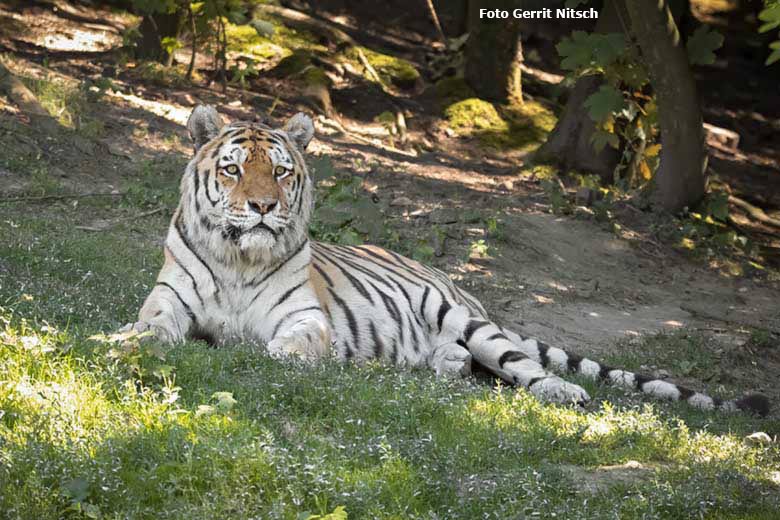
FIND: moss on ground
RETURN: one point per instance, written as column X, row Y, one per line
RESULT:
column 393, row 70
column 515, row 126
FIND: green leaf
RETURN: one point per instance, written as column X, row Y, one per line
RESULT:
column 602, row 138
column 718, row 206
column 771, row 18
column 604, row 102
column 575, row 51
column 702, row 46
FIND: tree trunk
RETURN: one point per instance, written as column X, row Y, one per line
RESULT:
column 679, row 181
column 453, row 15
column 493, row 52
column 154, row 27
column 193, row 52
column 569, row 145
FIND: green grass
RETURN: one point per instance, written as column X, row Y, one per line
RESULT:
column 89, row 429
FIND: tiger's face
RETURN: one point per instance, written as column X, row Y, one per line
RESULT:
column 252, row 186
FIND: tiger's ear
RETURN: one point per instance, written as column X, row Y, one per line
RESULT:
column 204, row 124
column 300, row 129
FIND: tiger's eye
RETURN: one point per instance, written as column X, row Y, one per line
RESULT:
column 279, row 171
column 231, row 169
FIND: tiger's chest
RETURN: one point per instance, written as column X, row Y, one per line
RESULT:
column 240, row 311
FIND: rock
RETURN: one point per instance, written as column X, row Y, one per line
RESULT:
column 401, row 201
column 444, row 216
column 758, row 439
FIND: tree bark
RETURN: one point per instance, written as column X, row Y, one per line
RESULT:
column 680, row 180
column 154, row 27
column 194, row 31
column 569, row 144
column 493, row 52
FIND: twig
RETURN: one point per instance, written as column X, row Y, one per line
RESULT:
column 370, row 69
column 338, row 126
column 754, row 211
column 62, row 197
column 435, row 18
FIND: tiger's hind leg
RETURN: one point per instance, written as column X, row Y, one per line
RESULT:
column 490, row 347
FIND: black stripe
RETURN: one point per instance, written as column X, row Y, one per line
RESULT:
column 323, row 274
column 239, row 140
column 289, row 315
column 352, row 280
column 408, row 300
column 286, row 295
column 353, row 326
column 640, row 380
column 253, row 283
column 426, row 292
column 472, row 327
column 498, row 335
column 604, row 372
column 444, row 308
column 685, row 393
column 196, row 188
column 415, row 339
column 544, row 358
column 187, row 272
column 391, row 269
column 208, row 193
column 462, row 343
column 379, row 347
column 298, row 198
column 535, row 380
column 573, row 362
column 187, row 308
column 351, row 260
column 510, row 356
column 179, row 225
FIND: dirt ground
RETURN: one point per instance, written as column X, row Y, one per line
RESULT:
column 568, row 280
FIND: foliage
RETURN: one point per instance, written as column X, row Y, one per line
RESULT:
column 344, row 212
column 702, row 44
column 771, row 18
column 709, row 227
column 624, row 114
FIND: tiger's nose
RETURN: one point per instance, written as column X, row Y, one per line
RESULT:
column 262, row 206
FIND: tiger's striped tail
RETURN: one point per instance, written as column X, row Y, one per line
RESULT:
column 559, row 360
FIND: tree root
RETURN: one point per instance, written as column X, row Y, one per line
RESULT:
column 754, row 212
column 18, row 93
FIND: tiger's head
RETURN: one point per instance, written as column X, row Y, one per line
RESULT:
column 247, row 191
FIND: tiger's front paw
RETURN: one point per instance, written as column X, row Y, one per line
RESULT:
column 297, row 346
column 144, row 331
column 556, row 390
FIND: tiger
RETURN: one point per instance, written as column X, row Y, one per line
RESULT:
column 239, row 266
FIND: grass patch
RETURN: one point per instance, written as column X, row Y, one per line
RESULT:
column 65, row 102
column 88, row 429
